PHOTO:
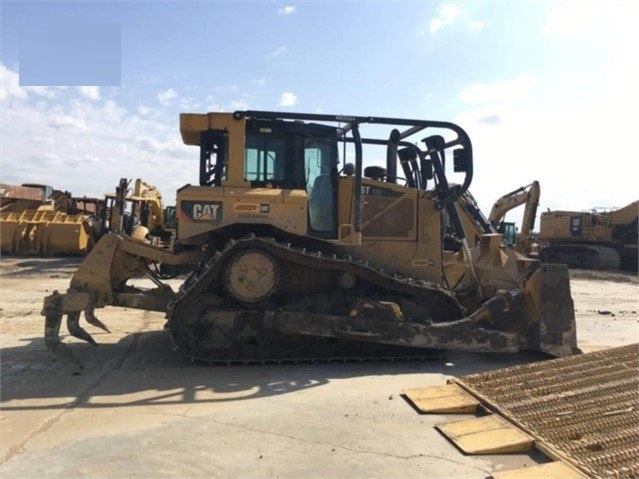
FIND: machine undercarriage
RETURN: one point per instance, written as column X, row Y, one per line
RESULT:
column 260, row 300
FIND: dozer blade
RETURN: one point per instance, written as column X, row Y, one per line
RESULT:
column 551, row 308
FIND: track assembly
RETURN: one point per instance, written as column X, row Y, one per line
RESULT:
column 581, row 410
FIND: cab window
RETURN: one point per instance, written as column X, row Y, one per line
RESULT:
column 264, row 159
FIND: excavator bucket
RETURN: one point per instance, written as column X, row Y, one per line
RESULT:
column 45, row 233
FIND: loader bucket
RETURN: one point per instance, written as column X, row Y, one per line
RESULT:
column 9, row 232
column 67, row 235
column 45, row 233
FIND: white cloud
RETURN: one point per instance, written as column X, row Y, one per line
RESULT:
column 90, row 92
column 474, row 26
column 43, row 91
column 238, row 105
column 84, row 146
column 10, row 87
column 446, row 15
column 279, row 51
column 504, row 91
column 165, row 97
column 189, row 103
column 10, row 84
column 173, row 146
column 286, row 10
column 567, row 20
column 66, row 121
column 288, row 99
column 576, row 18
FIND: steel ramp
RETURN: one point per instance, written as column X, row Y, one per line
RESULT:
column 581, row 410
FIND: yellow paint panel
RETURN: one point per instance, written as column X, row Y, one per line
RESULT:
column 551, row 470
column 486, row 435
column 442, row 399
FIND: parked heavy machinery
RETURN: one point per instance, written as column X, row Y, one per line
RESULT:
column 592, row 239
column 301, row 257
column 476, row 224
column 526, row 195
column 38, row 220
column 138, row 212
column 473, row 221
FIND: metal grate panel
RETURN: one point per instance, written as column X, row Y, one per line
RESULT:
column 583, row 409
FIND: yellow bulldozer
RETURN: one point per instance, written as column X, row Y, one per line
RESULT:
column 300, row 256
column 591, row 239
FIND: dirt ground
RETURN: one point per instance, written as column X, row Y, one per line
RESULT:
column 137, row 408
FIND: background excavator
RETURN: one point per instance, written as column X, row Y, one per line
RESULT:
column 298, row 255
column 476, row 224
column 592, row 239
column 526, row 195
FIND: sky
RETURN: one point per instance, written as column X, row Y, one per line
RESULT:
column 547, row 91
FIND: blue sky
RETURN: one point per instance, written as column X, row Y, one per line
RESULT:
column 546, row 90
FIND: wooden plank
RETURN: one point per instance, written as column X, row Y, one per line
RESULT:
column 486, row 435
column 447, row 399
column 550, row 470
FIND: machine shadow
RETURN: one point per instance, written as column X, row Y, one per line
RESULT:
column 143, row 369
column 64, row 266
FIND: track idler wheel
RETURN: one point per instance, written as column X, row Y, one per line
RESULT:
column 252, row 276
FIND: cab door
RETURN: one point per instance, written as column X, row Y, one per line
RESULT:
column 320, row 160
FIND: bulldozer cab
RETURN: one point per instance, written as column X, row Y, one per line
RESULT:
column 283, row 170
column 296, row 156
column 285, row 156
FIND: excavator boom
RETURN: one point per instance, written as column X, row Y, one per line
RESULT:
column 526, row 195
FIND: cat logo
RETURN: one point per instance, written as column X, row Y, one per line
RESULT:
column 210, row 211
column 205, row 212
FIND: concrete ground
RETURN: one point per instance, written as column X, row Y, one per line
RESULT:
column 139, row 409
